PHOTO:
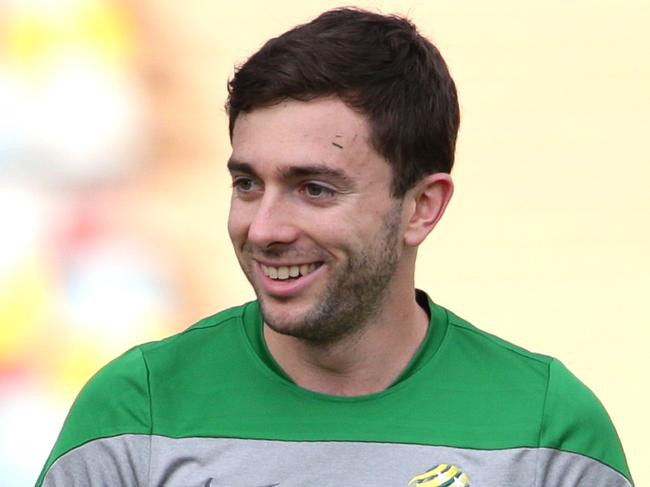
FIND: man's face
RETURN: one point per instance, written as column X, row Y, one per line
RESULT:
column 311, row 219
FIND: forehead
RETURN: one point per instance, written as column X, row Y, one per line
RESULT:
column 319, row 131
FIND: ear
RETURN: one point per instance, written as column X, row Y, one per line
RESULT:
column 426, row 204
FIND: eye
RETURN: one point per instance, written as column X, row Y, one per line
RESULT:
column 318, row 191
column 243, row 184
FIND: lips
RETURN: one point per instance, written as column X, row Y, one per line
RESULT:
column 289, row 280
column 288, row 271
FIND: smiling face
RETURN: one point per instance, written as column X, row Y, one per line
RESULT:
column 311, row 219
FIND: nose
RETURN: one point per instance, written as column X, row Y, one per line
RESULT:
column 273, row 222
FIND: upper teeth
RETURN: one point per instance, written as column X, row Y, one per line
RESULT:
column 285, row 272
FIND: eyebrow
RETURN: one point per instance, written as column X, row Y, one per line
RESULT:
column 238, row 166
column 295, row 172
column 314, row 170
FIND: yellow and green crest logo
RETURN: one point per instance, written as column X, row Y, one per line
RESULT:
column 442, row 475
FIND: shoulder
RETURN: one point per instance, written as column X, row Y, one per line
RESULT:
column 219, row 327
column 117, row 400
column 503, row 357
column 576, row 421
column 113, row 403
column 134, row 367
column 128, row 377
column 571, row 418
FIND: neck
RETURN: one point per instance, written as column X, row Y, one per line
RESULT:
column 366, row 362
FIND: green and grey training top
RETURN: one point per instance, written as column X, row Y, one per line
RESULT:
column 209, row 407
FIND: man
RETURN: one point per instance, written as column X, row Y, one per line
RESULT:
column 341, row 373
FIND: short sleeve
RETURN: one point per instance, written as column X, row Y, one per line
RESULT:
column 578, row 440
column 105, row 438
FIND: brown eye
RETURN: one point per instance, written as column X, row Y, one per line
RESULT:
column 243, row 184
column 314, row 190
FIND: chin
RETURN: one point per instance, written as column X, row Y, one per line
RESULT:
column 279, row 319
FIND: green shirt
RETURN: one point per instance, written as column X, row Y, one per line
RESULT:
column 210, row 407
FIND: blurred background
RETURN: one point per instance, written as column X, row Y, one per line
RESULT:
column 114, row 194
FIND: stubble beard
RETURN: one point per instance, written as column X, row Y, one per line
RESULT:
column 353, row 296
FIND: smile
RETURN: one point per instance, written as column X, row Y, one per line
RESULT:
column 285, row 272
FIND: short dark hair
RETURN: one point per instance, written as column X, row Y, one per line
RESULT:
column 378, row 65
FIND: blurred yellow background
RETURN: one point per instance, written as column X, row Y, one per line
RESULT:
column 114, row 194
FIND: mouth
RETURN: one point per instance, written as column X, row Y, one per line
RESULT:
column 288, row 272
column 290, row 280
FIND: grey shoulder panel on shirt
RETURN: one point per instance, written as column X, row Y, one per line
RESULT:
column 141, row 460
column 117, row 461
column 559, row 468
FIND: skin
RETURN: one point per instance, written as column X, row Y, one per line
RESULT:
column 309, row 189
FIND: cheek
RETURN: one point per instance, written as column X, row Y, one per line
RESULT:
column 341, row 233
